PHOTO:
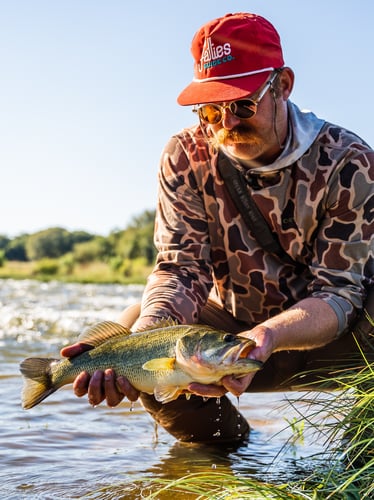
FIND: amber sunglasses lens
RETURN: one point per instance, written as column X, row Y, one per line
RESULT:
column 212, row 113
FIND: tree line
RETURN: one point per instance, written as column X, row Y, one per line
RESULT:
column 57, row 245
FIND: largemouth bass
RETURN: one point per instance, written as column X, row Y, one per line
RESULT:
column 162, row 360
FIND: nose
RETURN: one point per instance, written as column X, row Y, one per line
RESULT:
column 229, row 120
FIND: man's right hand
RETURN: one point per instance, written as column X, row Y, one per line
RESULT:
column 102, row 384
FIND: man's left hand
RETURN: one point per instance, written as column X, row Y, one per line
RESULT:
column 263, row 350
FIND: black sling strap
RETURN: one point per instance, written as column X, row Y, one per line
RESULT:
column 252, row 216
column 235, row 183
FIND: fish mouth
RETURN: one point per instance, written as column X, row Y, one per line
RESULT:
column 239, row 352
column 245, row 349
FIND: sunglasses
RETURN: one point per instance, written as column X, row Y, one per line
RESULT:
column 244, row 108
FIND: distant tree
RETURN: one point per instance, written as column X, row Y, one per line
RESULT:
column 4, row 241
column 145, row 219
column 50, row 243
column 99, row 248
column 137, row 240
column 16, row 249
column 80, row 237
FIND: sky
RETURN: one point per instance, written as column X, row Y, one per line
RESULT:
column 88, row 94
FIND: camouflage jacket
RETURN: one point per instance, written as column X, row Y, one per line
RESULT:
column 318, row 197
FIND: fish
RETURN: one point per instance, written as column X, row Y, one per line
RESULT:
column 162, row 360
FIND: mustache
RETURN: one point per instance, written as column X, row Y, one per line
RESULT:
column 238, row 134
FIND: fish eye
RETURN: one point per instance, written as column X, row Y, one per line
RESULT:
column 229, row 337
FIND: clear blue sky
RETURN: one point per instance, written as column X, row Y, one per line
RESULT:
column 88, row 95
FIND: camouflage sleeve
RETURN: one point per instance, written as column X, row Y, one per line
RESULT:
column 344, row 247
column 180, row 282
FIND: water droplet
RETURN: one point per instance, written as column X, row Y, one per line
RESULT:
column 217, row 434
column 214, row 466
column 218, row 401
column 132, row 406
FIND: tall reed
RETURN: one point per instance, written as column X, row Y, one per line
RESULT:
column 344, row 419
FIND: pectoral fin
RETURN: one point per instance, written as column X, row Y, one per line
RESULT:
column 165, row 394
column 159, row 364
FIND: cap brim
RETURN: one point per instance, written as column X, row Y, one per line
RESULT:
column 221, row 90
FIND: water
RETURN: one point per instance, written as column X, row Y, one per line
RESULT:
column 64, row 448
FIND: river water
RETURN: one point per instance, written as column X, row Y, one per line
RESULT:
column 64, row 448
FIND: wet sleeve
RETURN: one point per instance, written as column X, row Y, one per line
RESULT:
column 180, row 282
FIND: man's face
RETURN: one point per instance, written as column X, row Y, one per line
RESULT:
column 252, row 139
column 255, row 140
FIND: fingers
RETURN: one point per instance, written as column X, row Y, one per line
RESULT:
column 75, row 349
column 80, row 385
column 111, row 393
column 229, row 384
column 104, row 385
column 96, row 392
column 126, row 388
column 101, row 385
column 237, row 385
column 207, row 391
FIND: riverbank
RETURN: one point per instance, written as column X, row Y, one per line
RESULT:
column 91, row 272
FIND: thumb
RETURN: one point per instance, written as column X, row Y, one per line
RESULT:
column 254, row 354
column 75, row 349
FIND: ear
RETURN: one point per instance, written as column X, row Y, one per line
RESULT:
column 286, row 81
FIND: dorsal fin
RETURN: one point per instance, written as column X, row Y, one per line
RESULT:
column 101, row 332
column 161, row 323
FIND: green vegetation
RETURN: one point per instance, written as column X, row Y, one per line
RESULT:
column 125, row 256
column 343, row 471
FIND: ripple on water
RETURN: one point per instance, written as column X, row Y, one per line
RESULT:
column 63, row 448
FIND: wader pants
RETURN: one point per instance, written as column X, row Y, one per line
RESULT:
column 212, row 420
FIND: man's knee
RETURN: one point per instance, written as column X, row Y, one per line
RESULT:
column 212, row 420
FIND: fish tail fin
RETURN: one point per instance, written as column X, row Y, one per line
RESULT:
column 38, row 383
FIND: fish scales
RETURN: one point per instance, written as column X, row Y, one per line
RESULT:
column 161, row 360
column 126, row 355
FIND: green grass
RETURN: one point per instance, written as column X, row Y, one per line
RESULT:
column 217, row 486
column 345, row 420
column 93, row 272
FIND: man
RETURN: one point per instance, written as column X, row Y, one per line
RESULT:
column 313, row 184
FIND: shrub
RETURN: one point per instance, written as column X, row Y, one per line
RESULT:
column 98, row 248
column 50, row 243
column 46, row 267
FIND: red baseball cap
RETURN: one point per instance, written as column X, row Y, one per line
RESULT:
column 234, row 55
